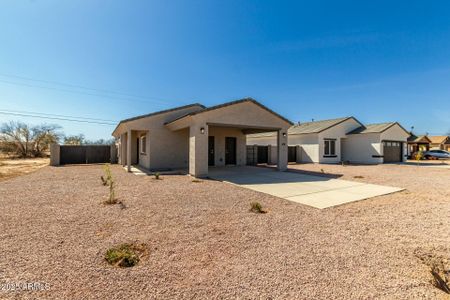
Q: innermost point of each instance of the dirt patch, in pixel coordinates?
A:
(204, 243)
(10, 168)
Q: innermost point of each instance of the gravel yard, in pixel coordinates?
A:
(204, 243)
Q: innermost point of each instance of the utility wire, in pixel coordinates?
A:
(57, 118)
(83, 87)
(55, 115)
(81, 92)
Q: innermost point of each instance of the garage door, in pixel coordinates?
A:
(392, 151)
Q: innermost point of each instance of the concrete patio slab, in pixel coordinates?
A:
(316, 191)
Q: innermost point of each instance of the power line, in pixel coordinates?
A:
(55, 115)
(82, 87)
(79, 92)
(57, 118)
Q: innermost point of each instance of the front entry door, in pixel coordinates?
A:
(230, 150)
(211, 156)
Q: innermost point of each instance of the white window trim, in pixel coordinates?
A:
(143, 144)
(329, 148)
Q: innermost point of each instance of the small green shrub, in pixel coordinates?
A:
(358, 177)
(256, 207)
(196, 180)
(157, 176)
(322, 170)
(104, 181)
(125, 255)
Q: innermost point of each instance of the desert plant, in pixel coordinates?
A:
(108, 175)
(256, 207)
(358, 177)
(322, 170)
(109, 181)
(418, 156)
(125, 255)
(196, 180)
(157, 175)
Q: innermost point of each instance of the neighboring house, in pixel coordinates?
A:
(342, 139)
(196, 137)
(418, 143)
(376, 144)
(317, 142)
(439, 142)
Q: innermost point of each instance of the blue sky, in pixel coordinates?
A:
(376, 60)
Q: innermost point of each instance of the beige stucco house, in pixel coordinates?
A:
(195, 137)
(376, 144)
(341, 139)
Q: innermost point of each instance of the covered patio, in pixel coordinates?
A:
(217, 136)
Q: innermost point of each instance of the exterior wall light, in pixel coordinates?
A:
(284, 134)
(202, 130)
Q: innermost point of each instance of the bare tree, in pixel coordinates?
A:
(28, 141)
(74, 140)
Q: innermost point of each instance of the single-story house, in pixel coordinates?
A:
(439, 142)
(196, 137)
(312, 142)
(376, 144)
(418, 143)
(342, 139)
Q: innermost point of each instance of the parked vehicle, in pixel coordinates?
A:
(436, 154)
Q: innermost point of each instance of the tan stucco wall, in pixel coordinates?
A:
(165, 148)
(359, 148)
(181, 143)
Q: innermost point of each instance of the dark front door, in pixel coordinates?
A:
(263, 154)
(292, 154)
(230, 150)
(211, 156)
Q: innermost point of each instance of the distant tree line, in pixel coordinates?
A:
(24, 140)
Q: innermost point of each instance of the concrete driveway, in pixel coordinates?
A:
(315, 191)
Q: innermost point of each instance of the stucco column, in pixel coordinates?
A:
(55, 154)
(129, 151)
(198, 150)
(282, 142)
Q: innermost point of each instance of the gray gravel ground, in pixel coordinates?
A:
(204, 243)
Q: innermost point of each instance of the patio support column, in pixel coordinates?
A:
(198, 150)
(282, 148)
(129, 151)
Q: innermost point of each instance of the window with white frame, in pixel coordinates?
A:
(330, 147)
(143, 144)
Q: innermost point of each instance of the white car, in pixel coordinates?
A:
(436, 154)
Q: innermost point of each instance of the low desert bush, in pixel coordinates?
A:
(322, 170)
(108, 175)
(358, 177)
(256, 207)
(157, 175)
(125, 255)
(108, 180)
(196, 180)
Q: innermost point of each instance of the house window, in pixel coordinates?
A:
(143, 144)
(330, 147)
